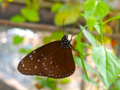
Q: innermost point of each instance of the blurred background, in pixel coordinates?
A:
(28, 24)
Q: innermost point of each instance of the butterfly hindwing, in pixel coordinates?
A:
(59, 63)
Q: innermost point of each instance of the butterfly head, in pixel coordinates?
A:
(65, 43)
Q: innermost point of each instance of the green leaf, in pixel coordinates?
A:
(117, 17)
(57, 35)
(90, 22)
(107, 64)
(17, 39)
(96, 9)
(88, 67)
(18, 19)
(25, 50)
(67, 12)
(46, 39)
(51, 83)
(90, 80)
(55, 7)
(42, 81)
(117, 84)
(64, 81)
(97, 28)
(69, 17)
(30, 14)
(90, 38)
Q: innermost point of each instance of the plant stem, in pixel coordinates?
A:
(101, 34)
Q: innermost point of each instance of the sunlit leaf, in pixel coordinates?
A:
(68, 13)
(18, 19)
(69, 17)
(107, 64)
(96, 9)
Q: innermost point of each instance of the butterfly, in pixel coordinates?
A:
(52, 60)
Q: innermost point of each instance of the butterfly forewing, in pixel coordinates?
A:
(30, 65)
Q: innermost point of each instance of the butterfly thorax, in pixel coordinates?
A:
(65, 43)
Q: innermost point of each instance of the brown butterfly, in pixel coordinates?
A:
(52, 60)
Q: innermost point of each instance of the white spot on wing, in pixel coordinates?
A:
(23, 65)
(38, 60)
(51, 62)
(30, 56)
(34, 51)
(41, 54)
(35, 67)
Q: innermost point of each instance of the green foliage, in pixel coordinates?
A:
(90, 80)
(64, 81)
(32, 4)
(80, 48)
(117, 17)
(55, 7)
(88, 67)
(67, 12)
(94, 10)
(107, 64)
(117, 85)
(17, 39)
(90, 38)
(25, 50)
(18, 18)
(97, 28)
(51, 83)
(30, 14)
(54, 36)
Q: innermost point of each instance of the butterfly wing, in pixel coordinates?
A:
(50, 60)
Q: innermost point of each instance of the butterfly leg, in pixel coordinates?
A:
(75, 50)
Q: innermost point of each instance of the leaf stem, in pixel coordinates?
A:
(101, 34)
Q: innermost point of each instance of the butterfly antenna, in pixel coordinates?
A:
(76, 34)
